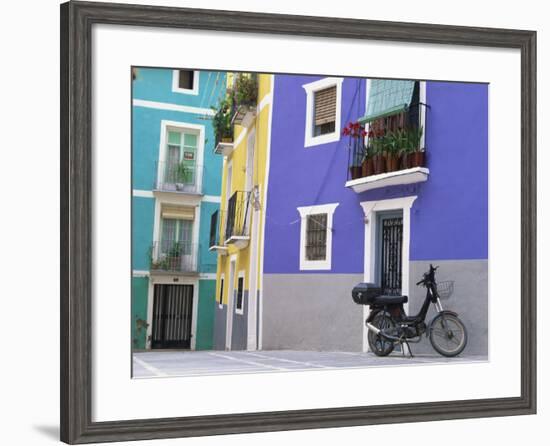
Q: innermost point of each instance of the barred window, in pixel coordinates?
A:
(316, 237)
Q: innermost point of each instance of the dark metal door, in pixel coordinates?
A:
(172, 316)
(390, 253)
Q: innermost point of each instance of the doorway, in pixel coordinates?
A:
(172, 316)
(389, 252)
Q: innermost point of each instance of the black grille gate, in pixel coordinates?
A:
(391, 255)
(172, 316)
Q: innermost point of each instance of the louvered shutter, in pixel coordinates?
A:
(325, 106)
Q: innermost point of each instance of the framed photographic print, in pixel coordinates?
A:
(275, 222)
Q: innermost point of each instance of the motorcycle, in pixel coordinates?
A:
(389, 325)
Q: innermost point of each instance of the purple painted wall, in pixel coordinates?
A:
(449, 217)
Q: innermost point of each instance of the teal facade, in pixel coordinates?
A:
(154, 102)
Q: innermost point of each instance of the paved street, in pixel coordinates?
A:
(200, 363)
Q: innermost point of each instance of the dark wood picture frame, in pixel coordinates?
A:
(77, 19)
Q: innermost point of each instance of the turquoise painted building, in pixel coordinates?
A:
(176, 186)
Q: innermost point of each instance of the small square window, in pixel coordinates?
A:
(186, 79)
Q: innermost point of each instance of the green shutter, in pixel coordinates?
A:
(387, 97)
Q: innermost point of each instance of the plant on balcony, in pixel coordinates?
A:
(415, 154)
(246, 87)
(221, 121)
(393, 150)
(184, 175)
(357, 148)
(378, 145)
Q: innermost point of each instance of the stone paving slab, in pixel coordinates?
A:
(201, 363)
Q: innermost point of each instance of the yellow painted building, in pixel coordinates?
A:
(237, 229)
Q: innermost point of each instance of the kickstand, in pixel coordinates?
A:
(402, 342)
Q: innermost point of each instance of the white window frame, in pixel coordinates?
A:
(220, 290)
(311, 140)
(165, 126)
(177, 89)
(305, 211)
(241, 274)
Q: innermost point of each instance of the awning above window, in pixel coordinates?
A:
(387, 97)
(178, 212)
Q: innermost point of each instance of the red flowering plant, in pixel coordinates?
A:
(358, 153)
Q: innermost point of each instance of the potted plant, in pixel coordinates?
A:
(356, 145)
(246, 87)
(393, 150)
(184, 175)
(221, 121)
(378, 144)
(367, 165)
(416, 154)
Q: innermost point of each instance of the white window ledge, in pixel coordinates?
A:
(405, 176)
(239, 241)
(224, 148)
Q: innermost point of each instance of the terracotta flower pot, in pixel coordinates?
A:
(404, 160)
(355, 172)
(379, 164)
(367, 167)
(416, 159)
(392, 162)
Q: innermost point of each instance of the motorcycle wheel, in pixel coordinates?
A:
(378, 344)
(448, 335)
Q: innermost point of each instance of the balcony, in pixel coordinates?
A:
(216, 233)
(246, 96)
(183, 177)
(174, 257)
(398, 177)
(224, 147)
(387, 151)
(238, 219)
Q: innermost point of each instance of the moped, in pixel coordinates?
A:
(389, 325)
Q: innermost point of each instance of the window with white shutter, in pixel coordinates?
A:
(323, 114)
(324, 111)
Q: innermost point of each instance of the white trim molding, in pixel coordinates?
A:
(175, 83)
(305, 211)
(172, 107)
(142, 193)
(310, 89)
(370, 208)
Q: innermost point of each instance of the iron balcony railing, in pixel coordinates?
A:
(180, 177)
(216, 230)
(174, 256)
(238, 210)
(371, 155)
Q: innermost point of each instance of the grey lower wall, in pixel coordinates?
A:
(219, 327)
(311, 312)
(469, 299)
(240, 323)
(239, 328)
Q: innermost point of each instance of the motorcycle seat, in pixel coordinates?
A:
(389, 300)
